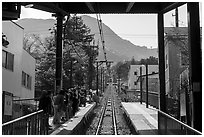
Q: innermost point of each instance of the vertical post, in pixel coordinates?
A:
(140, 85)
(97, 78)
(162, 103)
(90, 67)
(59, 55)
(195, 63)
(176, 17)
(101, 79)
(71, 71)
(146, 65)
(162, 126)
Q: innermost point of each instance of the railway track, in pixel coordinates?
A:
(107, 122)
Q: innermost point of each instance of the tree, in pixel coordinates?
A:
(150, 61)
(76, 39)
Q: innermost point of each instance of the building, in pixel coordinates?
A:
(176, 61)
(18, 69)
(134, 77)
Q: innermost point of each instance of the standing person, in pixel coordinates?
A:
(75, 103)
(66, 102)
(45, 103)
(58, 107)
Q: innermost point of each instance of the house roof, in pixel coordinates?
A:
(176, 30)
(151, 68)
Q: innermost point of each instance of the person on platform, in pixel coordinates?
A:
(59, 107)
(45, 104)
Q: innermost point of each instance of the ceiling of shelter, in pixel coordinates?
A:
(12, 9)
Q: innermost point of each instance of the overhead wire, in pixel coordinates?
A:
(99, 21)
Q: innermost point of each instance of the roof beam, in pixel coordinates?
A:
(172, 6)
(90, 6)
(129, 6)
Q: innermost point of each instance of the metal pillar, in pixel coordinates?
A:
(71, 71)
(195, 63)
(97, 78)
(59, 54)
(146, 85)
(162, 98)
(101, 79)
(140, 85)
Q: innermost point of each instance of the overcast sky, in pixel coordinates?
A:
(140, 29)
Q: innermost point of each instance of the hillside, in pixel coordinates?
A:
(117, 48)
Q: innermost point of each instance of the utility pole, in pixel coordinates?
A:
(146, 86)
(71, 71)
(140, 85)
(98, 63)
(91, 55)
(59, 54)
(176, 17)
(97, 78)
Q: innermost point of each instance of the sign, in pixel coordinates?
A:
(8, 104)
(183, 104)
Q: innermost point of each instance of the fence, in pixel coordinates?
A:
(31, 124)
(171, 126)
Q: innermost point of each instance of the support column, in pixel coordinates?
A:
(71, 71)
(140, 85)
(195, 63)
(146, 85)
(59, 54)
(101, 79)
(162, 123)
(162, 104)
(97, 78)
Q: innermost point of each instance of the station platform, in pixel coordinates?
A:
(75, 124)
(143, 120)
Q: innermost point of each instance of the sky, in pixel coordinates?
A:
(140, 29)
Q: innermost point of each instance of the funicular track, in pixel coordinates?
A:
(107, 122)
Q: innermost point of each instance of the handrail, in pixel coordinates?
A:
(183, 124)
(23, 117)
(36, 99)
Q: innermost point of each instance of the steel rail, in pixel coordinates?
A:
(101, 118)
(114, 117)
(114, 123)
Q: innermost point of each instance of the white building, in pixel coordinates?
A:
(18, 66)
(134, 74)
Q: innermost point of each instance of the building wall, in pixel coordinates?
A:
(11, 80)
(174, 68)
(28, 66)
(133, 78)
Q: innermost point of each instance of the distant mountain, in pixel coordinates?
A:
(116, 44)
(117, 49)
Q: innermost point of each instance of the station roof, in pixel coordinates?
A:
(97, 7)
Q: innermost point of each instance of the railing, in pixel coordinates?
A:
(153, 98)
(31, 124)
(171, 126)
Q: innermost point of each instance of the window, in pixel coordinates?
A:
(166, 61)
(184, 58)
(135, 83)
(4, 59)
(135, 73)
(23, 78)
(7, 60)
(26, 80)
